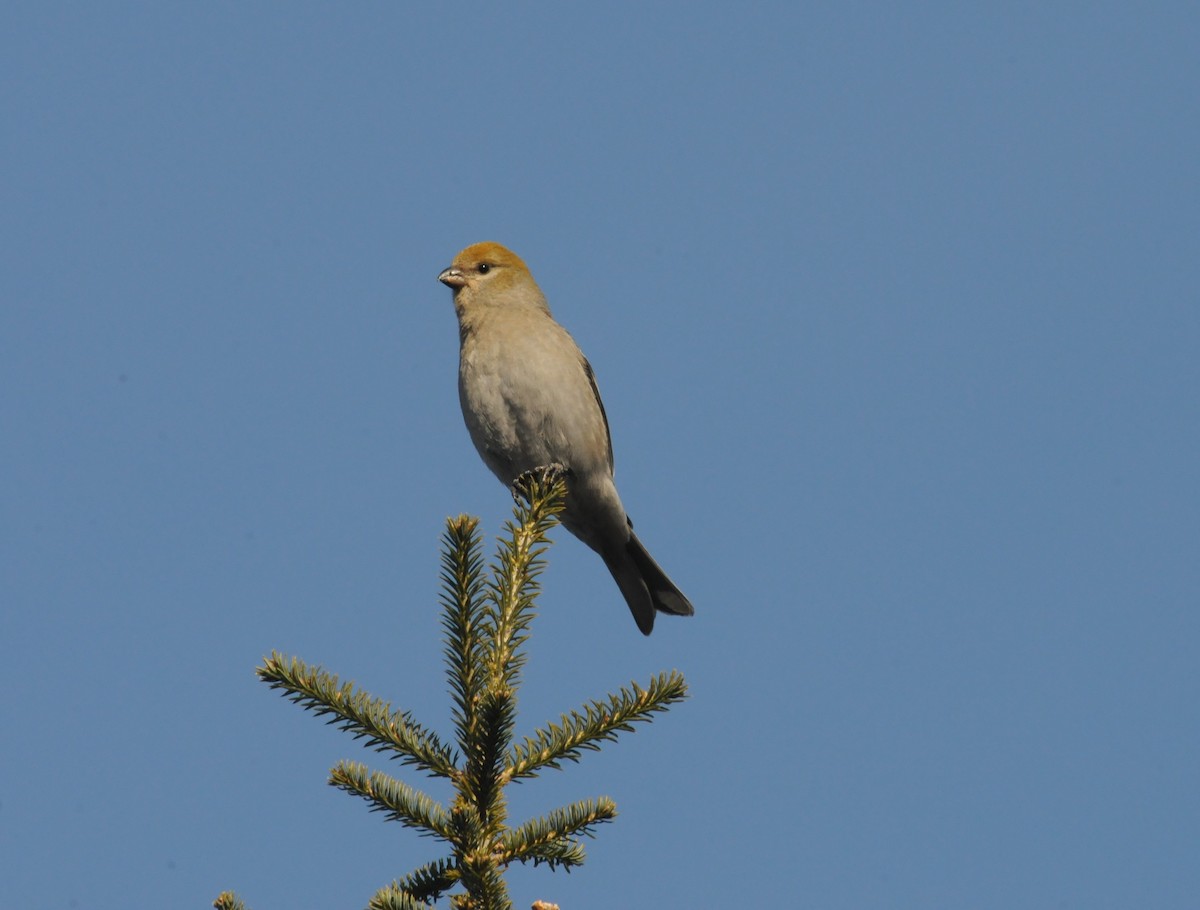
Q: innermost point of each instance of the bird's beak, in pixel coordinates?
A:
(452, 278)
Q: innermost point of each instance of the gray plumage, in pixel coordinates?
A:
(529, 399)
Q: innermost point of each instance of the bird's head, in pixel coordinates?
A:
(493, 275)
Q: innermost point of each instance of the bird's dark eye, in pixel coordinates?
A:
(484, 268)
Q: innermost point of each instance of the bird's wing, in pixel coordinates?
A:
(587, 368)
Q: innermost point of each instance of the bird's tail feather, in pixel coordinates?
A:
(666, 597)
(645, 586)
(628, 576)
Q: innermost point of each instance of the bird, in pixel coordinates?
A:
(530, 402)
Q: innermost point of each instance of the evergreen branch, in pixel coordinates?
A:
(358, 713)
(486, 620)
(430, 881)
(483, 781)
(227, 900)
(599, 721)
(462, 583)
(559, 854)
(514, 586)
(477, 867)
(393, 898)
(467, 828)
(530, 841)
(484, 884)
(396, 799)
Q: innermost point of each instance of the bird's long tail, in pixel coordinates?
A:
(667, 598)
(645, 585)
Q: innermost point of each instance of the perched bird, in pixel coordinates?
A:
(530, 401)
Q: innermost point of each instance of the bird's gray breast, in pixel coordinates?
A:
(527, 400)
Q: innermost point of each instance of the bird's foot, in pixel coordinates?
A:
(546, 473)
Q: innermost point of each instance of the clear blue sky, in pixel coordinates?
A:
(896, 317)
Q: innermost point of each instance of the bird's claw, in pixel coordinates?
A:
(547, 473)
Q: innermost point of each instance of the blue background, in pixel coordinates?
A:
(895, 314)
